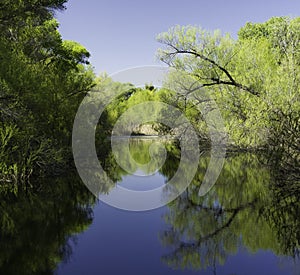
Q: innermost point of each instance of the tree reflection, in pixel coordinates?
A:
(251, 205)
(242, 210)
(36, 227)
(283, 213)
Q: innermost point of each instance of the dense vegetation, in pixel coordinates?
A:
(42, 81)
(253, 79)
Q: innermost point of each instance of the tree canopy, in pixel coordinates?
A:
(42, 81)
(254, 79)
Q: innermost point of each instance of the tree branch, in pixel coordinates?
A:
(215, 81)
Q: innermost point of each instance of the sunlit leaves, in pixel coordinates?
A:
(252, 78)
(42, 81)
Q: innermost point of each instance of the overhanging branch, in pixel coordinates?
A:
(214, 81)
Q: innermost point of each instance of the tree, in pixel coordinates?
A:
(42, 82)
(254, 79)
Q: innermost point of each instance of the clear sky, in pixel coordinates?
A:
(121, 33)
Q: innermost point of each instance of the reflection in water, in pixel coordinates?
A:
(245, 209)
(251, 207)
(36, 227)
(140, 164)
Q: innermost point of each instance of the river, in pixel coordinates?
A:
(248, 223)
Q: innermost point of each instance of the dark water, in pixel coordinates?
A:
(247, 224)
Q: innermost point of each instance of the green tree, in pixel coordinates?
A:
(42, 82)
(254, 79)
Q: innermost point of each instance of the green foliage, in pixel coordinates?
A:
(255, 82)
(254, 79)
(123, 97)
(42, 82)
(14, 13)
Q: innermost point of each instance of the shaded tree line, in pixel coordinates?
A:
(43, 78)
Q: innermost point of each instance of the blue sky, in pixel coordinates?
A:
(121, 34)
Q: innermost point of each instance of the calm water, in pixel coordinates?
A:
(247, 224)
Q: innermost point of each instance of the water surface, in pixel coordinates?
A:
(247, 224)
